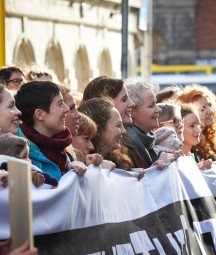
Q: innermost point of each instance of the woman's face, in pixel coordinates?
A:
(9, 114)
(110, 137)
(24, 154)
(16, 81)
(83, 145)
(124, 104)
(145, 116)
(176, 123)
(72, 117)
(192, 130)
(54, 120)
(205, 111)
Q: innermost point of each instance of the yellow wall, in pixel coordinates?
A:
(2, 33)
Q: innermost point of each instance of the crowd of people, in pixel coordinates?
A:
(111, 124)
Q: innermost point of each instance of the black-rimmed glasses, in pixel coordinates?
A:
(176, 121)
(16, 81)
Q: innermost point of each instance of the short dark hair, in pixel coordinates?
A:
(103, 86)
(34, 95)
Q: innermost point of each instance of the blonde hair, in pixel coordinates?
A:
(135, 87)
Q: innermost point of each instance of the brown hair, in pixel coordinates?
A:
(103, 86)
(98, 109)
(2, 87)
(12, 145)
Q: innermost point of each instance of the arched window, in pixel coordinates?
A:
(54, 59)
(23, 52)
(82, 71)
(105, 64)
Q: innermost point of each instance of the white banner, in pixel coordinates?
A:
(167, 212)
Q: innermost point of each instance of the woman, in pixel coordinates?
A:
(104, 86)
(72, 118)
(9, 114)
(205, 101)
(43, 124)
(109, 124)
(13, 77)
(192, 128)
(115, 89)
(83, 145)
(139, 139)
(82, 140)
(170, 116)
(192, 134)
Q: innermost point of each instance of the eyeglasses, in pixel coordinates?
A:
(176, 121)
(16, 82)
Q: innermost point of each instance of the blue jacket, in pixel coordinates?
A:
(40, 160)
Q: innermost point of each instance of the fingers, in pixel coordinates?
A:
(5, 246)
(4, 181)
(95, 159)
(140, 171)
(24, 250)
(79, 167)
(37, 179)
(141, 174)
(107, 164)
(160, 164)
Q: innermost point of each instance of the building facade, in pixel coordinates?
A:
(79, 40)
(184, 32)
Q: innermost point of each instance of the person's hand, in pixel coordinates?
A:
(177, 153)
(37, 179)
(24, 250)
(204, 164)
(95, 159)
(214, 156)
(140, 171)
(160, 164)
(107, 164)
(208, 163)
(5, 247)
(78, 167)
(4, 178)
(167, 158)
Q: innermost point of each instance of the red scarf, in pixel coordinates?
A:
(52, 147)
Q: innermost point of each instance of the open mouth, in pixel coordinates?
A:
(16, 122)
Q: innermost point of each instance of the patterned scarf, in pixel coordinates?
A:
(52, 147)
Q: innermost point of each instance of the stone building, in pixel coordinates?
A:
(77, 39)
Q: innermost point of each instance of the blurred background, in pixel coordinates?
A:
(162, 41)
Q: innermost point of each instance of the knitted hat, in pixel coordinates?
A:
(12, 145)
